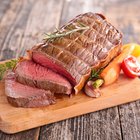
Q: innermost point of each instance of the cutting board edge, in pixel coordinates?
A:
(10, 128)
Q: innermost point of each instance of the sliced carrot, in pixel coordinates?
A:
(111, 73)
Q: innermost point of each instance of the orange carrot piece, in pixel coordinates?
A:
(111, 73)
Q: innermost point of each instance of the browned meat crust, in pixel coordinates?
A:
(74, 55)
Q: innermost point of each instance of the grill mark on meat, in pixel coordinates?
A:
(107, 32)
(103, 51)
(100, 42)
(73, 72)
(90, 31)
(93, 46)
(52, 55)
(96, 27)
(101, 31)
(63, 56)
(61, 64)
(68, 46)
(96, 30)
(99, 34)
(73, 48)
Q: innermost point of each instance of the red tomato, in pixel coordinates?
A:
(131, 66)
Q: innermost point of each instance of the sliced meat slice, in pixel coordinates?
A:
(25, 96)
(32, 74)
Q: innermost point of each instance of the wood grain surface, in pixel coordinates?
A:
(22, 24)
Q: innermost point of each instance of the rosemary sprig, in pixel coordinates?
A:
(6, 66)
(59, 34)
(95, 74)
(52, 36)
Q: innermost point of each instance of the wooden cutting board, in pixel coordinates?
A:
(14, 119)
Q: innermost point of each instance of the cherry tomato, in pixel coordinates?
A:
(131, 66)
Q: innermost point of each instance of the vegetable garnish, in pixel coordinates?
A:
(97, 83)
(131, 66)
(91, 91)
(92, 87)
(111, 73)
(95, 74)
(58, 34)
(6, 66)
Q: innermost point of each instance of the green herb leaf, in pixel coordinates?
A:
(6, 66)
(58, 33)
(95, 74)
